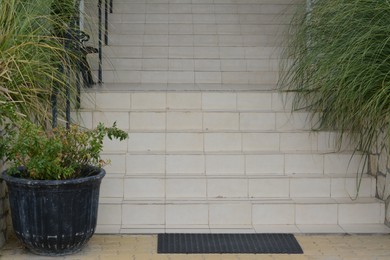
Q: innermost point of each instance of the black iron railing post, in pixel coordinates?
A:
(105, 22)
(68, 43)
(100, 72)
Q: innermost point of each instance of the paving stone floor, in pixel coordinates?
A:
(139, 247)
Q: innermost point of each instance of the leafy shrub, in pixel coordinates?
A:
(56, 154)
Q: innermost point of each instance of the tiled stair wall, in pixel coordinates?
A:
(200, 160)
(212, 145)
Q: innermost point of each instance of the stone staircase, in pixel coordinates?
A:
(213, 146)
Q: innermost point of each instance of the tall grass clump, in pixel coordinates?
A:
(337, 65)
(32, 56)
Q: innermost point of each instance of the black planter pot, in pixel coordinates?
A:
(54, 217)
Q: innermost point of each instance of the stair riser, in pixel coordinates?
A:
(214, 187)
(243, 215)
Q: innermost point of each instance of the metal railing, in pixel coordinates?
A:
(75, 39)
(108, 8)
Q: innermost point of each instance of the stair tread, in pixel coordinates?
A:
(179, 87)
(252, 201)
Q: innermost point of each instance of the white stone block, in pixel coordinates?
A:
(293, 122)
(148, 101)
(114, 145)
(264, 164)
(138, 188)
(122, 76)
(232, 52)
(187, 101)
(108, 229)
(344, 164)
(304, 163)
(154, 28)
(281, 102)
(185, 164)
(182, 65)
(180, 8)
(117, 163)
(202, 18)
(227, 188)
(87, 100)
(82, 118)
(257, 121)
(147, 121)
(263, 77)
(203, 7)
(233, 65)
(226, 8)
(310, 187)
(157, 8)
(153, 64)
(145, 164)
(186, 188)
(154, 76)
(260, 142)
(220, 121)
(269, 188)
(152, 214)
(181, 52)
(109, 214)
(298, 142)
(181, 40)
(230, 40)
(258, 65)
(111, 188)
(225, 164)
(205, 52)
(230, 214)
(222, 142)
(152, 18)
(125, 51)
(184, 121)
(108, 119)
(254, 101)
(316, 214)
(347, 187)
(361, 213)
(203, 40)
(146, 142)
(154, 53)
(207, 65)
(208, 77)
(232, 77)
(112, 101)
(180, 142)
(273, 214)
(219, 101)
(329, 142)
(181, 77)
(187, 214)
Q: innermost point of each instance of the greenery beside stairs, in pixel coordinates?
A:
(337, 64)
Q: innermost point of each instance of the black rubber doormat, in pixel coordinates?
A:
(228, 244)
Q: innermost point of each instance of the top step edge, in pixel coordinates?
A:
(179, 87)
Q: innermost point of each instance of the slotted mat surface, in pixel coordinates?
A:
(228, 244)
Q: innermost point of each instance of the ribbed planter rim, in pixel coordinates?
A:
(100, 172)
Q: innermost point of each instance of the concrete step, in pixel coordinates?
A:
(154, 216)
(185, 64)
(251, 7)
(190, 187)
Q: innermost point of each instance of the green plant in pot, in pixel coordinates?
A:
(53, 175)
(53, 179)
